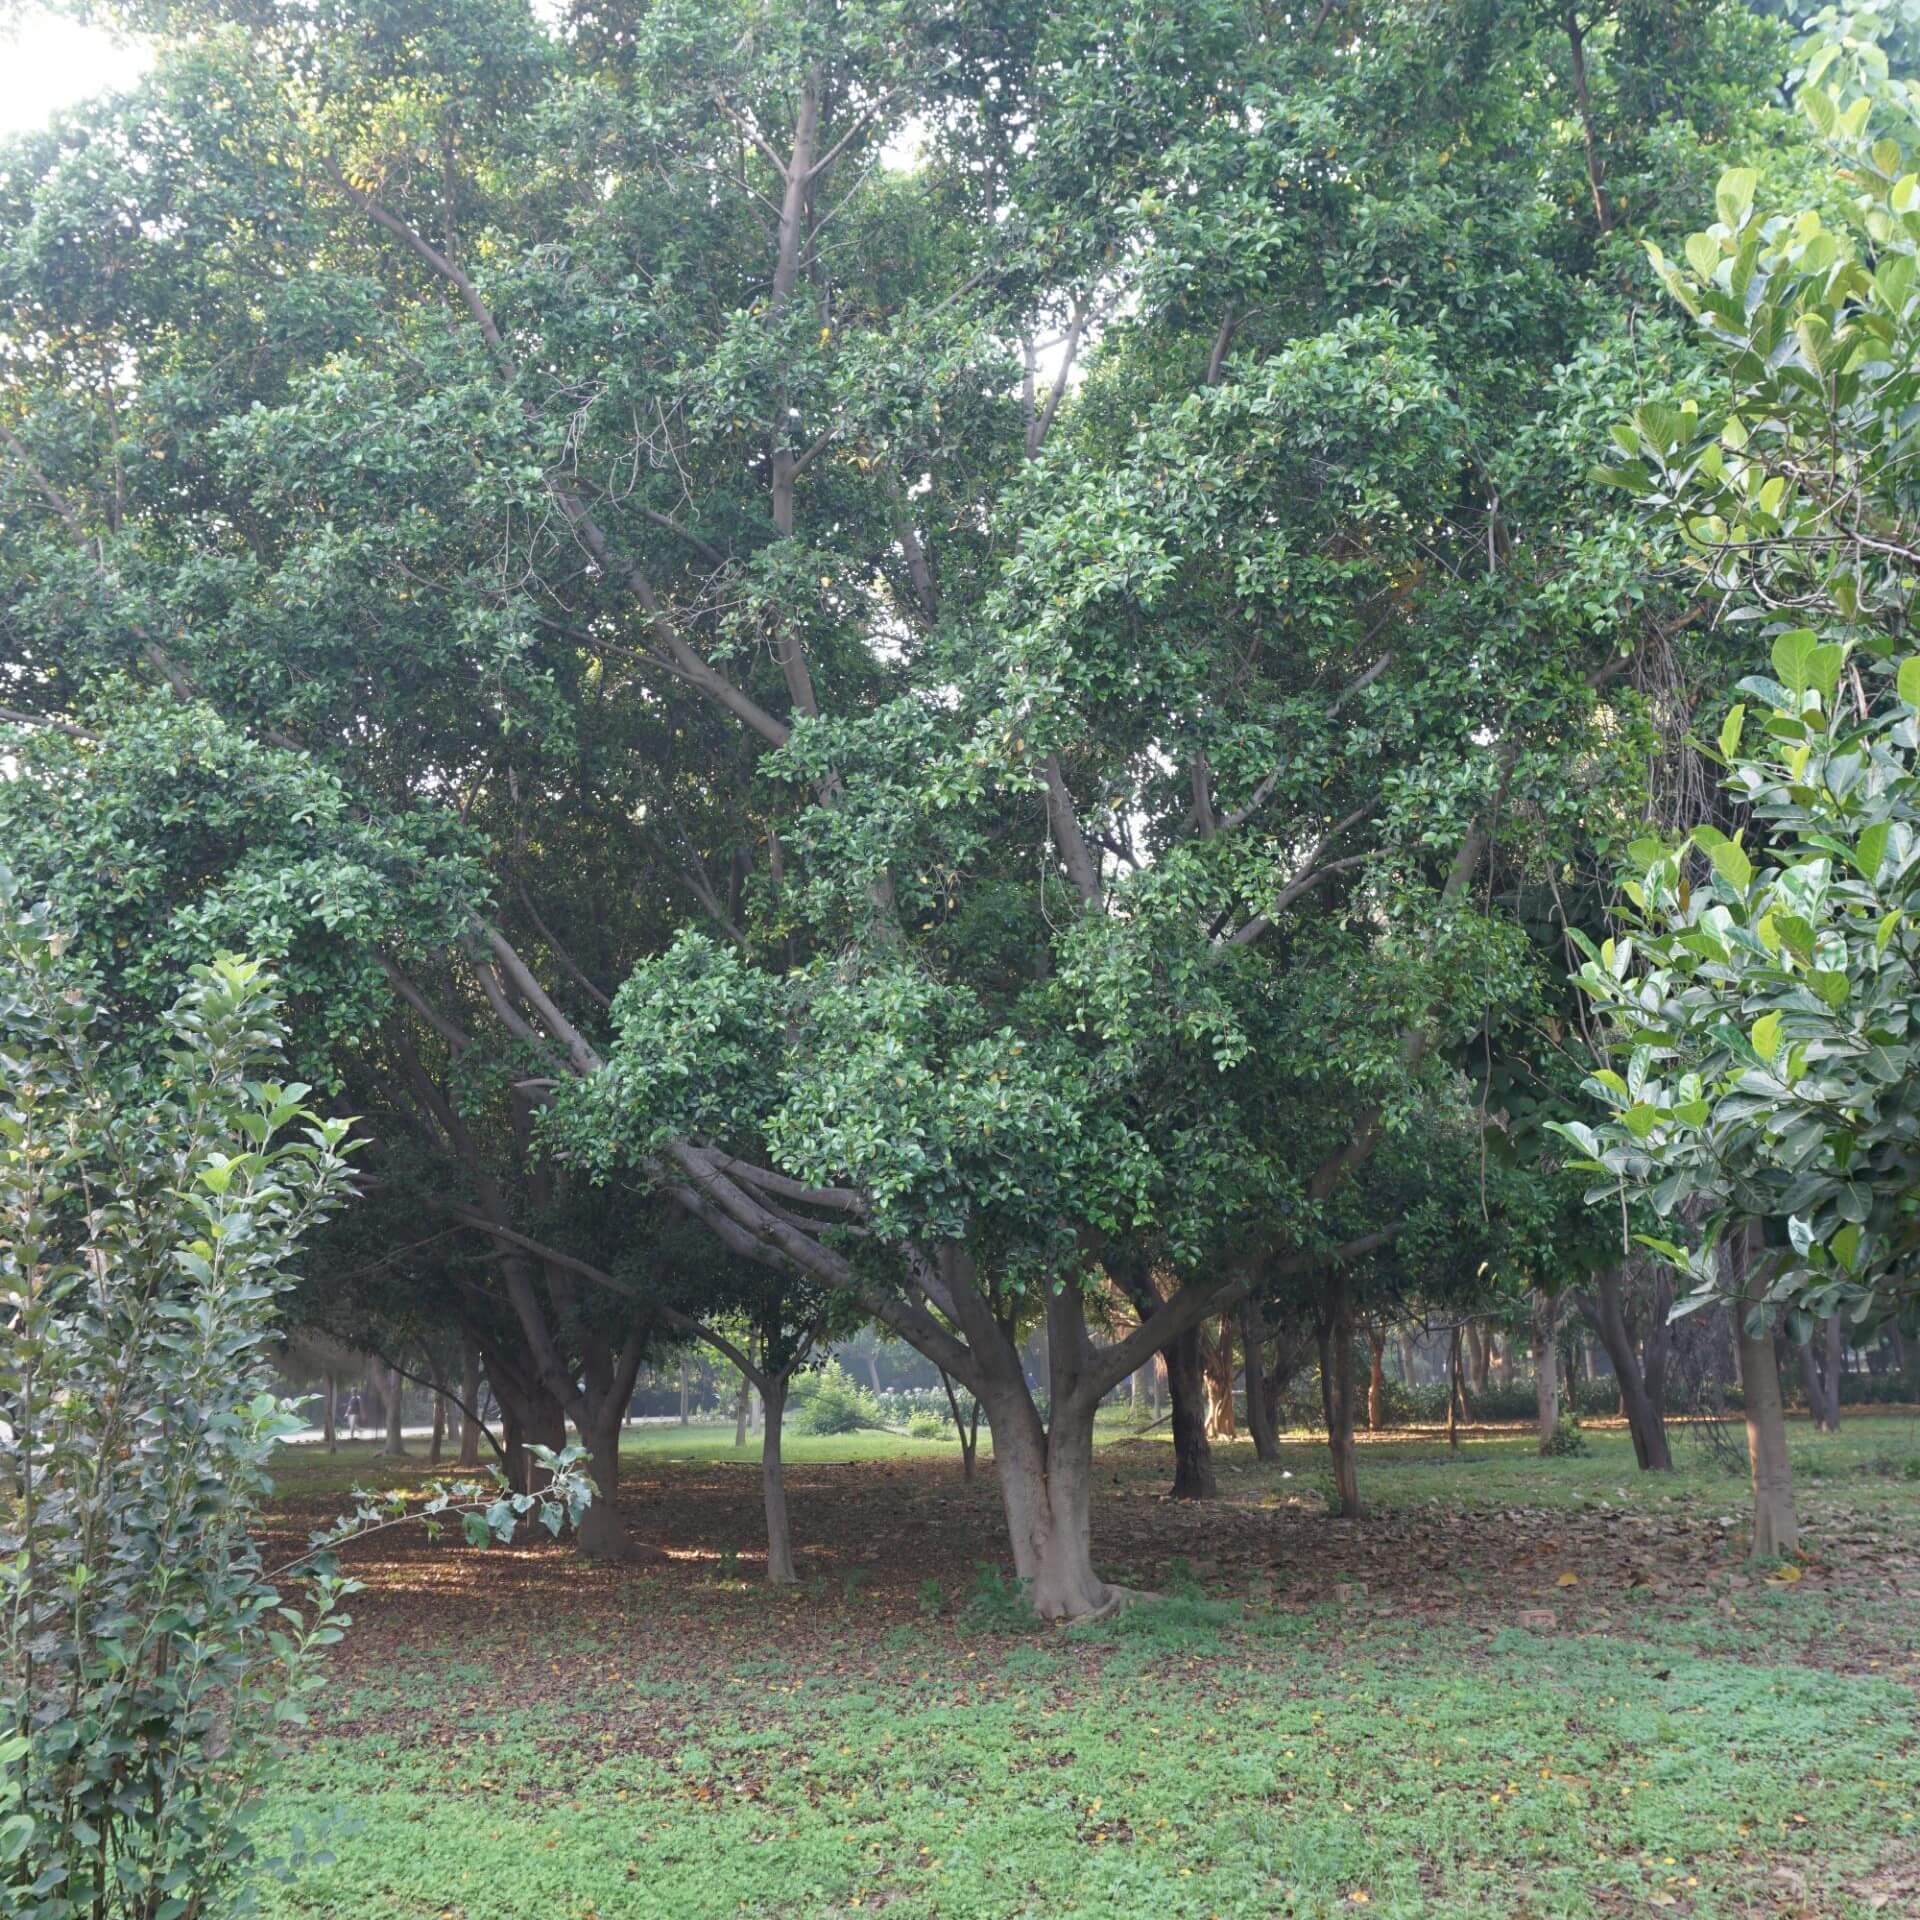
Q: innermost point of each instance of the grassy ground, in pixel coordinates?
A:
(1520, 1688)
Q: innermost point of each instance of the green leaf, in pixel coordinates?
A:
(1730, 730)
(1733, 197)
(1908, 681)
(1870, 849)
(1766, 1036)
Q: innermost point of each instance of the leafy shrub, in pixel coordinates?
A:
(929, 1426)
(147, 1221)
(1566, 1440)
(996, 1604)
(148, 1224)
(830, 1402)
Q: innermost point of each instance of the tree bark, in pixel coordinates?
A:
(1334, 1329)
(330, 1413)
(1546, 1365)
(1820, 1373)
(773, 1486)
(740, 1414)
(1218, 1381)
(1046, 1483)
(1504, 1360)
(685, 1394)
(1192, 1457)
(1409, 1359)
(437, 1445)
(470, 1397)
(1776, 1525)
(1376, 1380)
(1263, 1417)
(1455, 1391)
(396, 1447)
(1642, 1375)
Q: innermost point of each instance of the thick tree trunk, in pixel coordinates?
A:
(1377, 1381)
(1263, 1417)
(1046, 1482)
(1776, 1525)
(1192, 1457)
(396, 1447)
(773, 1487)
(470, 1396)
(1218, 1380)
(1334, 1329)
(602, 1534)
(1546, 1366)
(1641, 1376)
(330, 1413)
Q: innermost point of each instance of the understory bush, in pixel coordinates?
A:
(149, 1213)
(830, 1401)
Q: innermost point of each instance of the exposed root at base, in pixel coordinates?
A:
(1118, 1600)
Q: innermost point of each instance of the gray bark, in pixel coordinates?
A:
(1776, 1526)
(396, 1447)
(773, 1485)
(1546, 1365)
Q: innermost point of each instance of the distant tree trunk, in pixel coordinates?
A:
(1776, 1526)
(740, 1413)
(396, 1447)
(872, 1357)
(1546, 1365)
(1263, 1418)
(330, 1413)
(685, 1393)
(1505, 1361)
(1642, 1375)
(968, 1428)
(1820, 1374)
(1456, 1393)
(1477, 1354)
(1140, 1394)
(438, 1443)
(470, 1399)
(1192, 1457)
(773, 1485)
(1376, 1380)
(1898, 1341)
(1218, 1382)
(1334, 1330)
(1409, 1359)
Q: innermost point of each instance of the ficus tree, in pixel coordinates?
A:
(957, 600)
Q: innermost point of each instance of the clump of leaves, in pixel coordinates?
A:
(995, 1604)
(148, 1218)
(929, 1426)
(932, 1596)
(1566, 1440)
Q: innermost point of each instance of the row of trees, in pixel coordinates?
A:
(917, 662)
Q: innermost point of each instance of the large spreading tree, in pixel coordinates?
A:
(941, 638)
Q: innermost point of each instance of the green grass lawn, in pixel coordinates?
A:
(1521, 1688)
